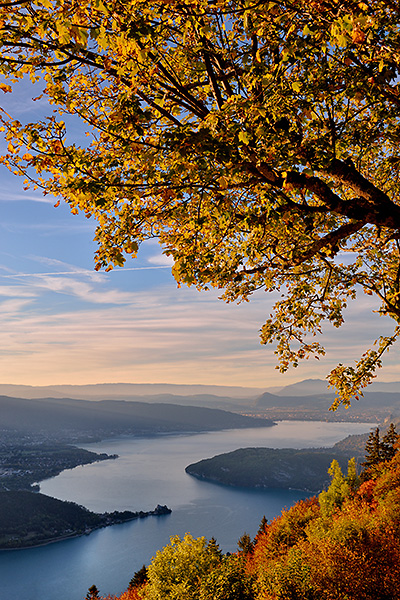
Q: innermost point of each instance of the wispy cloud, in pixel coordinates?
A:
(167, 336)
(13, 196)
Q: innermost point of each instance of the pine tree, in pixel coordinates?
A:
(93, 593)
(139, 578)
(372, 450)
(377, 450)
(263, 525)
(245, 544)
(213, 548)
(388, 442)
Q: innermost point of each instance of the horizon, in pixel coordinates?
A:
(192, 384)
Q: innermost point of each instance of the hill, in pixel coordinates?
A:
(278, 468)
(310, 387)
(28, 519)
(66, 418)
(374, 406)
(23, 463)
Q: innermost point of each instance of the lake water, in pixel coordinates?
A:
(150, 471)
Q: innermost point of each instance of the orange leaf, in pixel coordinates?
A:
(6, 88)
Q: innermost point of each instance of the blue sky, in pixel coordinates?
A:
(62, 322)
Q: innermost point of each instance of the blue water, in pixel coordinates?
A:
(150, 471)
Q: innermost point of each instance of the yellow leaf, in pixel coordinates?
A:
(223, 183)
(27, 156)
(6, 88)
(243, 137)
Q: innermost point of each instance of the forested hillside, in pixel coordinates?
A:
(77, 420)
(342, 545)
(29, 519)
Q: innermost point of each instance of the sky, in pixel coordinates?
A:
(63, 323)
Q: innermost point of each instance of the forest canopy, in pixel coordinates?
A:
(257, 141)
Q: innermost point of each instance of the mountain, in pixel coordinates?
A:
(369, 400)
(373, 406)
(122, 391)
(319, 386)
(73, 418)
(306, 387)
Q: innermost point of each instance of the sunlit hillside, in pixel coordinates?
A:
(342, 545)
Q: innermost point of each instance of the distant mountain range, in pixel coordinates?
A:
(309, 387)
(311, 395)
(121, 391)
(126, 391)
(369, 400)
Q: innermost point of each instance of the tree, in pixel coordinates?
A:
(213, 549)
(258, 141)
(263, 525)
(377, 450)
(373, 449)
(176, 571)
(93, 593)
(340, 487)
(229, 581)
(388, 444)
(245, 544)
(139, 578)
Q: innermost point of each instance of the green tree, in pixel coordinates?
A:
(352, 478)
(378, 450)
(258, 141)
(176, 571)
(373, 454)
(389, 440)
(338, 490)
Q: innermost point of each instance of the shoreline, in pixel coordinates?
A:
(159, 511)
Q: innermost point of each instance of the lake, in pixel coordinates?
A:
(150, 471)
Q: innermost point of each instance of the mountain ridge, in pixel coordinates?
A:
(75, 418)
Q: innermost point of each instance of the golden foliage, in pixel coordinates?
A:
(258, 142)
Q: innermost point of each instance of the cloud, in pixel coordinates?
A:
(167, 336)
(16, 291)
(15, 196)
(73, 325)
(161, 259)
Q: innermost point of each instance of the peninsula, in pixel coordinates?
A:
(290, 468)
(30, 519)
